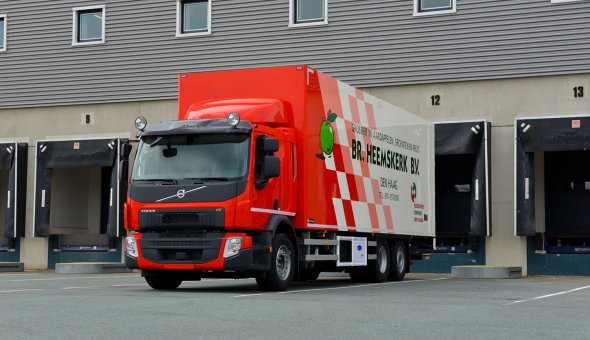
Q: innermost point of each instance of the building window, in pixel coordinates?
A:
(427, 7)
(88, 25)
(2, 32)
(308, 12)
(193, 17)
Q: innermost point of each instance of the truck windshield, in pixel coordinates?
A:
(196, 157)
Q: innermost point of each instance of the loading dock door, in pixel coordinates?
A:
(453, 195)
(543, 135)
(462, 171)
(81, 177)
(567, 194)
(13, 188)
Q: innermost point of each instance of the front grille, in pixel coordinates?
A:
(161, 248)
(182, 218)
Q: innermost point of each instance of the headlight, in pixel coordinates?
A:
(232, 246)
(131, 247)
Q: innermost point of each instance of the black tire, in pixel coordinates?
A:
(162, 282)
(399, 262)
(380, 268)
(309, 274)
(282, 266)
(376, 270)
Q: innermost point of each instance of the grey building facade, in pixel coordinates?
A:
(489, 61)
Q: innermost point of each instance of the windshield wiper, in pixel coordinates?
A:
(203, 179)
(156, 142)
(155, 180)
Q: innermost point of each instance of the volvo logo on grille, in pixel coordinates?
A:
(181, 193)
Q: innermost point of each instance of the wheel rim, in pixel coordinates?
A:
(283, 262)
(401, 260)
(382, 259)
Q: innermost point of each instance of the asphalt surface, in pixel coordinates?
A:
(45, 305)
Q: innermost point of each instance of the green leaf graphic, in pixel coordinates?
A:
(332, 117)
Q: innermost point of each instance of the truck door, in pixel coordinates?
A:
(268, 197)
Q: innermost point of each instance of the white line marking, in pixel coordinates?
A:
(549, 295)
(69, 278)
(84, 287)
(136, 285)
(18, 290)
(335, 288)
(107, 286)
(129, 285)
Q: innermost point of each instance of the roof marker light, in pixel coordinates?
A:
(140, 123)
(233, 119)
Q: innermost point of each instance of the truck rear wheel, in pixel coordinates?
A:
(400, 261)
(282, 267)
(382, 265)
(162, 282)
(376, 270)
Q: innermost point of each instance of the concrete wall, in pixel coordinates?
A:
(32, 124)
(498, 101)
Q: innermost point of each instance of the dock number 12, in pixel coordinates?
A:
(435, 100)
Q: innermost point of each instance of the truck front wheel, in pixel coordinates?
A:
(162, 282)
(282, 268)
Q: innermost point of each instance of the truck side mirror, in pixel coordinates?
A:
(272, 166)
(271, 145)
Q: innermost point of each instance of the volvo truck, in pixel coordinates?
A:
(278, 174)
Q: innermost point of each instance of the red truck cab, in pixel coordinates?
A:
(202, 190)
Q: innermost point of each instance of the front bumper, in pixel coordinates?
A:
(203, 253)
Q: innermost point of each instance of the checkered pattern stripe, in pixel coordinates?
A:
(358, 205)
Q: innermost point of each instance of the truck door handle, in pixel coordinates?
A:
(276, 205)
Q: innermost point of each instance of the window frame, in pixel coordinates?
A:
(293, 23)
(4, 17)
(76, 25)
(563, 1)
(180, 19)
(417, 11)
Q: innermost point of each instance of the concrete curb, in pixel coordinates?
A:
(12, 267)
(486, 272)
(91, 268)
